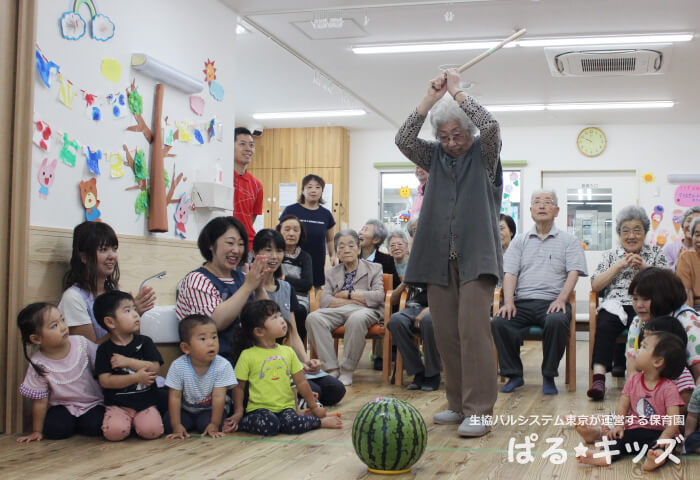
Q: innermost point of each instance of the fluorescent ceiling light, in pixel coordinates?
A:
(425, 47)
(533, 42)
(606, 40)
(240, 29)
(312, 114)
(581, 106)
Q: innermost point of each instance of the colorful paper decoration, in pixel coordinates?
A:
(182, 215)
(648, 178)
(211, 131)
(677, 217)
(93, 159)
(687, 195)
(44, 68)
(209, 71)
(66, 92)
(661, 238)
(42, 135)
(405, 192)
(135, 101)
(69, 151)
(117, 102)
(46, 176)
(73, 25)
(656, 219)
(116, 165)
(197, 104)
(111, 69)
(216, 90)
(198, 138)
(88, 196)
(405, 216)
(184, 132)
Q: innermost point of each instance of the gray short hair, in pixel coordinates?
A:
(447, 110)
(346, 232)
(632, 212)
(694, 224)
(380, 230)
(397, 234)
(411, 223)
(549, 192)
(689, 212)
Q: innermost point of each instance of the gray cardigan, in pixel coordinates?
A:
(368, 280)
(462, 200)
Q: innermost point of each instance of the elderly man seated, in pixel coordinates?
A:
(541, 268)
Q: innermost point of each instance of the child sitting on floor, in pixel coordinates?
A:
(126, 366)
(198, 381)
(646, 394)
(60, 379)
(692, 434)
(268, 368)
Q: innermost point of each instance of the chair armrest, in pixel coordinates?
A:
(497, 294)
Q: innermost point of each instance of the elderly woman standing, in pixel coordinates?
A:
(352, 296)
(459, 256)
(688, 267)
(613, 276)
(397, 244)
(674, 250)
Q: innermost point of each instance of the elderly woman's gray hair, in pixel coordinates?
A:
(412, 225)
(545, 191)
(447, 110)
(397, 234)
(380, 230)
(694, 224)
(632, 212)
(689, 212)
(346, 232)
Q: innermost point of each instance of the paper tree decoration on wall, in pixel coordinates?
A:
(73, 26)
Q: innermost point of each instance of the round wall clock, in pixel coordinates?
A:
(591, 141)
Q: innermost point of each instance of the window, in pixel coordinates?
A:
(510, 203)
(589, 216)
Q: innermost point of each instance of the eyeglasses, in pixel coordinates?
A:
(446, 139)
(397, 245)
(636, 232)
(546, 203)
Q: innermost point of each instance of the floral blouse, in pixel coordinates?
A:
(618, 287)
(690, 320)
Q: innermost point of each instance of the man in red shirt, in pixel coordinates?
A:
(248, 191)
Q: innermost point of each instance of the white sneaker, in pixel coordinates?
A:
(473, 427)
(447, 417)
(345, 377)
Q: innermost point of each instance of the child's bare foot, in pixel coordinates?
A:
(589, 459)
(589, 433)
(331, 421)
(650, 463)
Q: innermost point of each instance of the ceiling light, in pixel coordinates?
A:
(310, 114)
(531, 42)
(610, 105)
(514, 108)
(605, 40)
(240, 29)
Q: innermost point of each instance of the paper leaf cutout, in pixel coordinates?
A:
(88, 195)
(102, 28)
(72, 26)
(66, 94)
(93, 159)
(46, 176)
(140, 168)
(216, 90)
(69, 151)
(169, 134)
(135, 102)
(209, 71)
(111, 69)
(44, 68)
(166, 178)
(141, 204)
(42, 135)
(197, 104)
(116, 165)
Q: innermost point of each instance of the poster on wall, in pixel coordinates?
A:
(287, 195)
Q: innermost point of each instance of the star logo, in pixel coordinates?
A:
(580, 450)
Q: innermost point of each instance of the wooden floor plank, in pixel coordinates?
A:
(324, 454)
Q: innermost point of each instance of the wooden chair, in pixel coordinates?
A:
(398, 376)
(375, 332)
(593, 298)
(535, 333)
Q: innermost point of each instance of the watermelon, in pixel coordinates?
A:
(389, 435)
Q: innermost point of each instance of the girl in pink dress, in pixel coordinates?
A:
(66, 398)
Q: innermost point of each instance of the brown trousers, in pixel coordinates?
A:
(461, 321)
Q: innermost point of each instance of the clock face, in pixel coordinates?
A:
(591, 141)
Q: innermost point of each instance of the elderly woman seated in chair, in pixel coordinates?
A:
(613, 276)
(352, 296)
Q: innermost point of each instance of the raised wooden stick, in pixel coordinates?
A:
(488, 52)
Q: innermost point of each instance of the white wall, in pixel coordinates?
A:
(181, 33)
(661, 149)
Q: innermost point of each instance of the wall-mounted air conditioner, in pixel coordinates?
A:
(608, 60)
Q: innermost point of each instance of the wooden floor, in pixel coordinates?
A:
(324, 454)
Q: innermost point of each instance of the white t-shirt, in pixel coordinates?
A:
(73, 308)
(196, 390)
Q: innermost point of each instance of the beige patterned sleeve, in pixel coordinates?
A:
(417, 150)
(490, 133)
